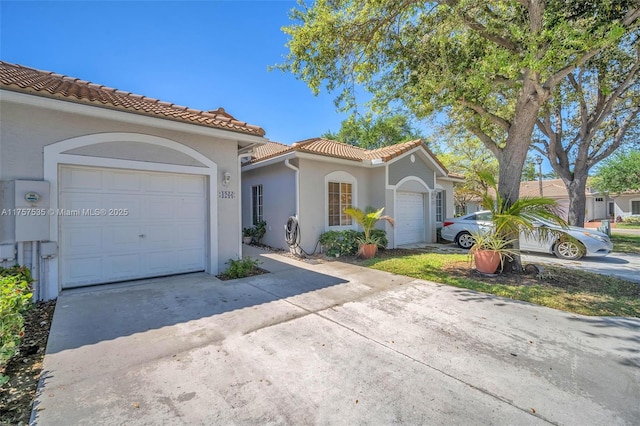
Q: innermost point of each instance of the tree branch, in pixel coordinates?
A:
(498, 121)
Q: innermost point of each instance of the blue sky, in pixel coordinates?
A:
(200, 54)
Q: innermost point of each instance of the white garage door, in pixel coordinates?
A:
(119, 225)
(409, 217)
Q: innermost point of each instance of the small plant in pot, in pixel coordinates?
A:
(367, 219)
(247, 235)
(490, 251)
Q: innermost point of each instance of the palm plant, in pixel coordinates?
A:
(515, 219)
(368, 219)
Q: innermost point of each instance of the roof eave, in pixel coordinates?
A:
(91, 109)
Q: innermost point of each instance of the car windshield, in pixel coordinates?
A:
(544, 221)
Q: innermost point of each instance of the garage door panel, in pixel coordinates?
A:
(81, 179)
(123, 266)
(83, 269)
(161, 184)
(188, 208)
(189, 235)
(162, 262)
(191, 185)
(158, 208)
(409, 217)
(123, 182)
(80, 241)
(190, 258)
(152, 239)
(122, 238)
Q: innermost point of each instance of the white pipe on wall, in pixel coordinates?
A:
(240, 158)
(297, 170)
(21, 253)
(35, 263)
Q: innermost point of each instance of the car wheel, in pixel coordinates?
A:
(464, 240)
(568, 250)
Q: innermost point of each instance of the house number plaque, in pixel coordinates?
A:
(226, 194)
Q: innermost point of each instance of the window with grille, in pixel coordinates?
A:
(439, 206)
(340, 198)
(635, 207)
(256, 204)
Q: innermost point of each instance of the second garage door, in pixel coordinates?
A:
(409, 217)
(119, 225)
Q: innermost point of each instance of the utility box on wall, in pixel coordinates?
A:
(32, 203)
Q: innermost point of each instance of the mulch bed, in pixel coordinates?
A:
(24, 368)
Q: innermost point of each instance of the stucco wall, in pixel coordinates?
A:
(278, 186)
(313, 196)
(403, 167)
(623, 204)
(26, 130)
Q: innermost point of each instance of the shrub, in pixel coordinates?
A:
(631, 220)
(241, 268)
(15, 300)
(345, 243)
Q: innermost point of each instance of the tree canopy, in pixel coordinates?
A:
(490, 65)
(593, 112)
(619, 174)
(375, 132)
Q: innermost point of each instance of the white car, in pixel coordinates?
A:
(585, 242)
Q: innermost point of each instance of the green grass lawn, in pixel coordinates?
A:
(623, 243)
(628, 225)
(560, 288)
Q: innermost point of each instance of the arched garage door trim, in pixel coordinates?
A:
(414, 184)
(54, 156)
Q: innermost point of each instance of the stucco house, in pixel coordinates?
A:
(598, 206)
(316, 179)
(99, 185)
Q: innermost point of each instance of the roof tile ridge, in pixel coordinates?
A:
(304, 142)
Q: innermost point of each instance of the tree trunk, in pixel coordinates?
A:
(512, 157)
(577, 199)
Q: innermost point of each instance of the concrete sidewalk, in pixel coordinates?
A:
(329, 343)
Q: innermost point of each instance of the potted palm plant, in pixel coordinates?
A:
(510, 222)
(367, 219)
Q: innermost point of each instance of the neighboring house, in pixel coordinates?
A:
(99, 185)
(598, 206)
(317, 179)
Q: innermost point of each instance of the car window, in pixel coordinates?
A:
(483, 216)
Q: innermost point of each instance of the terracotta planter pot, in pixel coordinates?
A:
(486, 261)
(367, 251)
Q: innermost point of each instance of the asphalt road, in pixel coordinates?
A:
(621, 265)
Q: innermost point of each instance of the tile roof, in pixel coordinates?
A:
(48, 84)
(552, 188)
(331, 148)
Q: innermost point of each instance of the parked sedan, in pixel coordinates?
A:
(585, 242)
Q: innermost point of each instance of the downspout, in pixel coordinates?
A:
(240, 158)
(297, 170)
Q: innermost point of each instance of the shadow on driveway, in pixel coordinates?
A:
(91, 315)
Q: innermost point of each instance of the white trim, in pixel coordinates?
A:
(54, 156)
(408, 179)
(286, 156)
(427, 199)
(339, 176)
(436, 166)
(127, 117)
(297, 178)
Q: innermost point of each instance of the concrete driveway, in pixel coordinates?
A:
(621, 265)
(330, 343)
